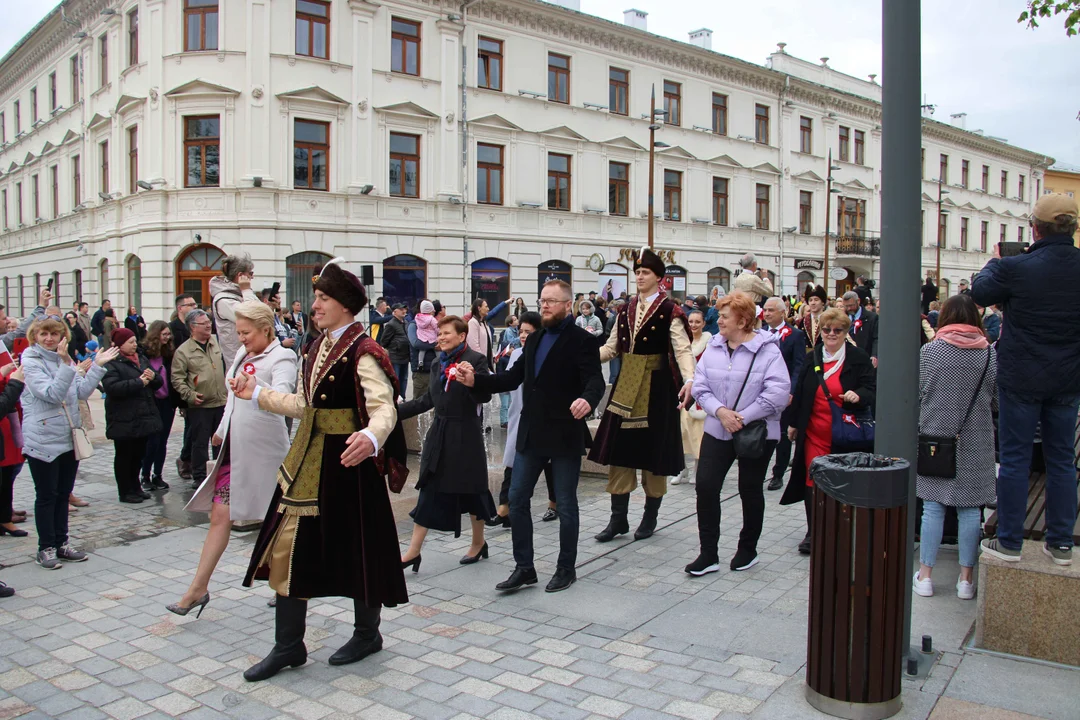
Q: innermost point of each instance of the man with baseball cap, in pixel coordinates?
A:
(1038, 375)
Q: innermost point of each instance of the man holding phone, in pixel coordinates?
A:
(1038, 375)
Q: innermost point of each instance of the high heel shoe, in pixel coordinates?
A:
(178, 609)
(13, 533)
(470, 559)
(503, 520)
(415, 563)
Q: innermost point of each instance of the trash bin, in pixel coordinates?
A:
(857, 583)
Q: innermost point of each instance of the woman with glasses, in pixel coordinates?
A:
(849, 376)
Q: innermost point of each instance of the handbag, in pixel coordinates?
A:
(80, 442)
(851, 431)
(937, 453)
(750, 441)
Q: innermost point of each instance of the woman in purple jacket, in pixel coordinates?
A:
(739, 353)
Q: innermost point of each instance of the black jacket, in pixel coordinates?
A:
(130, 411)
(395, 339)
(793, 349)
(929, 295)
(97, 322)
(571, 371)
(77, 344)
(180, 332)
(866, 336)
(864, 294)
(857, 374)
(9, 398)
(136, 325)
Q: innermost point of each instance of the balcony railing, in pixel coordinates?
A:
(862, 245)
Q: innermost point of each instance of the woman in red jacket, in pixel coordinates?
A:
(11, 458)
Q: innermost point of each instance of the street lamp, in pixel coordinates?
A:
(941, 192)
(653, 127)
(828, 213)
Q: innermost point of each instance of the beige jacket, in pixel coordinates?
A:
(195, 370)
(754, 286)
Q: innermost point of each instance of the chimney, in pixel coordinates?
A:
(635, 18)
(702, 38)
(959, 120)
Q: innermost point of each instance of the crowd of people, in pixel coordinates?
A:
(745, 378)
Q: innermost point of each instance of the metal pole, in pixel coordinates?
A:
(937, 265)
(652, 161)
(828, 214)
(898, 372)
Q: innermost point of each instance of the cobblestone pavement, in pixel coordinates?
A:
(635, 638)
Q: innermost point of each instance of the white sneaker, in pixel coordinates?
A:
(925, 588)
(677, 479)
(965, 590)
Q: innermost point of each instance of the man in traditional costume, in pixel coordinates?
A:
(640, 429)
(330, 530)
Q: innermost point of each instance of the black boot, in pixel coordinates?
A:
(366, 638)
(289, 625)
(648, 519)
(618, 524)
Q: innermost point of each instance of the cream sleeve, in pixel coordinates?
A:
(610, 349)
(684, 356)
(379, 399)
(280, 403)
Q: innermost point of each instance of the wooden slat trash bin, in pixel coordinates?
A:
(857, 585)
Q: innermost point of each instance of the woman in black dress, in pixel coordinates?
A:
(453, 467)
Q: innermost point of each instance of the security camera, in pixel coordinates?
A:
(198, 237)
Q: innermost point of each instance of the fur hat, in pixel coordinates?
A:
(649, 260)
(341, 285)
(818, 292)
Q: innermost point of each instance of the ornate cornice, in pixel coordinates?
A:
(981, 143)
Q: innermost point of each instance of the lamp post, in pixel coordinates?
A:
(941, 192)
(653, 127)
(828, 214)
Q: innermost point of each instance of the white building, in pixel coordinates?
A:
(142, 139)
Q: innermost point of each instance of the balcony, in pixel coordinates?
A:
(859, 245)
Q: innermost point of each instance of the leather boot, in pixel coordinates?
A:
(366, 638)
(618, 524)
(290, 615)
(648, 519)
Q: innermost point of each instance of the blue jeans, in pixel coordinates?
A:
(504, 408)
(933, 523)
(1016, 435)
(527, 469)
(614, 368)
(402, 372)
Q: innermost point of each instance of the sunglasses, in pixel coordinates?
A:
(833, 331)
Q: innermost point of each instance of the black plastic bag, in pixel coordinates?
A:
(863, 480)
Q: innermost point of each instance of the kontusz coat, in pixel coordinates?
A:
(52, 386)
(130, 411)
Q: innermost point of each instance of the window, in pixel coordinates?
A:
(52, 91)
(104, 148)
(558, 78)
(133, 160)
(1004, 229)
(313, 28)
(986, 178)
(806, 208)
(404, 279)
(404, 165)
(76, 181)
(311, 154)
(19, 216)
(719, 276)
(672, 195)
(54, 183)
(943, 231)
(3, 129)
(673, 102)
(558, 182)
(200, 25)
(75, 79)
(35, 196)
(1004, 183)
(194, 270)
(720, 200)
(860, 147)
(202, 151)
(850, 216)
(618, 91)
(1021, 188)
(763, 206)
(922, 163)
(33, 105)
(964, 173)
(134, 281)
(984, 235)
(405, 46)
(943, 169)
(133, 37)
(619, 188)
(3, 201)
(489, 174)
(806, 135)
(845, 144)
(103, 59)
(299, 269)
(1020, 234)
(761, 124)
(76, 284)
(17, 109)
(719, 114)
(491, 63)
(963, 233)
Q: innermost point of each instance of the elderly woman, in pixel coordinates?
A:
(693, 420)
(848, 375)
(740, 379)
(50, 413)
(588, 320)
(258, 438)
(453, 467)
(229, 290)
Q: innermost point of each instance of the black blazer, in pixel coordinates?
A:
(866, 337)
(793, 349)
(571, 371)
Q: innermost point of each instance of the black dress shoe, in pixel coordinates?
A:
(804, 546)
(470, 559)
(13, 533)
(145, 495)
(550, 515)
(356, 650)
(131, 499)
(503, 520)
(158, 484)
(518, 578)
(776, 483)
(6, 591)
(562, 579)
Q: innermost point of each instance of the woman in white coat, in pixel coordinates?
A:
(259, 440)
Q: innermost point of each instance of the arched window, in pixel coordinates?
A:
(674, 282)
(299, 269)
(943, 290)
(103, 281)
(772, 279)
(56, 289)
(719, 276)
(36, 288)
(76, 286)
(491, 281)
(405, 280)
(194, 269)
(553, 270)
(22, 298)
(134, 282)
(613, 280)
(805, 278)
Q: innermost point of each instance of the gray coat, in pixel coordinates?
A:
(948, 377)
(52, 385)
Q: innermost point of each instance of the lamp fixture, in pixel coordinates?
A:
(366, 190)
(144, 185)
(701, 221)
(533, 205)
(109, 11)
(453, 17)
(702, 128)
(746, 225)
(791, 229)
(660, 145)
(105, 197)
(532, 94)
(256, 181)
(81, 35)
(747, 138)
(594, 106)
(595, 211)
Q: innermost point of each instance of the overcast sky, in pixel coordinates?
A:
(1014, 83)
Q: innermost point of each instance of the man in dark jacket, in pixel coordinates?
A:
(793, 348)
(97, 323)
(862, 287)
(184, 304)
(929, 294)
(395, 338)
(864, 325)
(1038, 375)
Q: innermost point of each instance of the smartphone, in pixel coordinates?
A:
(1008, 249)
(274, 289)
(48, 286)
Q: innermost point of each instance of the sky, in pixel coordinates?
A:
(1012, 82)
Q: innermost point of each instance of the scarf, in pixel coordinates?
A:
(963, 336)
(827, 357)
(448, 361)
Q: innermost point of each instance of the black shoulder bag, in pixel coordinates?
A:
(937, 454)
(750, 441)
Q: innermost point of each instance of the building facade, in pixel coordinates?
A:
(456, 150)
(1064, 179)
